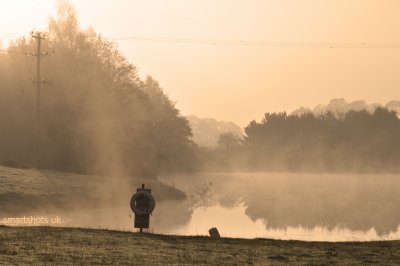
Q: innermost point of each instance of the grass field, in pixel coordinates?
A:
(74, 246)
(37, 192)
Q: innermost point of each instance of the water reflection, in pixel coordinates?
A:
(296, 206)
(233, 222)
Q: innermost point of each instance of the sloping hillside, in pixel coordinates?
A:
(77, 198)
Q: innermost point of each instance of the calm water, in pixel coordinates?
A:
(266, 205)
(284, 206)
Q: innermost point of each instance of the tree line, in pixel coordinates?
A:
(97, 115)
(356, 141)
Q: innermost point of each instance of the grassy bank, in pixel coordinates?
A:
(38, 192)
(60, 246)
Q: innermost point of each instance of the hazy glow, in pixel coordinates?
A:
(241, 83)
(19, 17)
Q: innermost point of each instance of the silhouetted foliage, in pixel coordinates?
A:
(228, 141)
(340, 106)
(96, 114)
(356, 141)
(360, 141)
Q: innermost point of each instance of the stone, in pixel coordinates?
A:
(214, 233)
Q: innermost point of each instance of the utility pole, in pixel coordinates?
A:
(39, 37)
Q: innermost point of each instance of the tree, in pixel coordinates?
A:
(228, 141)
(172, 133)
(97, 115)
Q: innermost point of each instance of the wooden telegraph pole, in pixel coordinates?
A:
(39, 37)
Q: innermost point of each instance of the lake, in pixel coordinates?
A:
(312, 207)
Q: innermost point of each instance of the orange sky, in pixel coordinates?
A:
(240, 83)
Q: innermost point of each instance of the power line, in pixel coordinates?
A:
(251, 43)
(382, 45)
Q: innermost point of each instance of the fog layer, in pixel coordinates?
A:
(282, 200)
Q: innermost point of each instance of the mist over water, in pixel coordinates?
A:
(312, 207)
(324, 207)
